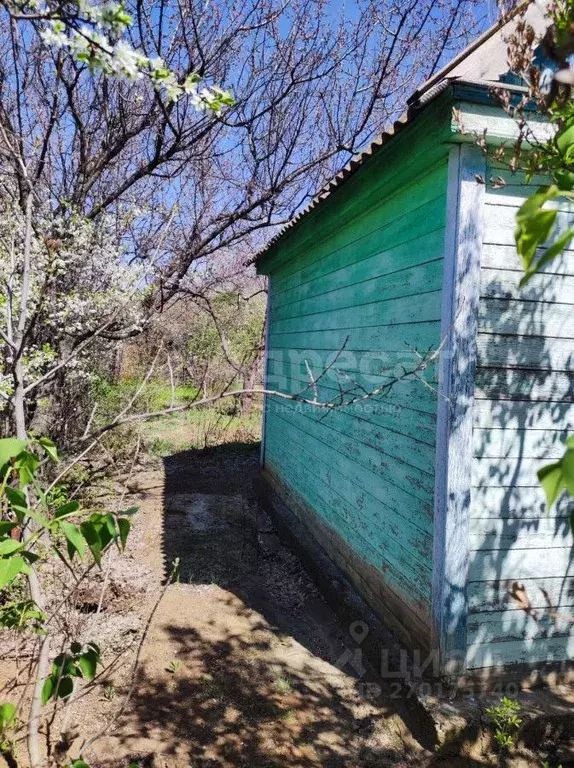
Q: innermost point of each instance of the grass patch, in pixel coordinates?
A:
(198, 428)
(201, 428)
(283, 685)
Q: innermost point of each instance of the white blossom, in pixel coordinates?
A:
(79, 281)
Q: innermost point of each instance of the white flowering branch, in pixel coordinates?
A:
(94, 33)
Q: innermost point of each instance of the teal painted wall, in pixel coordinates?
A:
(524, 404)
(366, 269)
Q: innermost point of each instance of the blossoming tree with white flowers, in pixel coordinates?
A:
(95, 34)
(69, 277)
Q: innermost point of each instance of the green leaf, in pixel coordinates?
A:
(92, 537)
(19, 614)
(9, 448)
(129, 512)
(564, 179)
(50, 447)
(18, 502)
(124, 529)
(6, 526)
(532, 232)
(553, 250)
(7, 715)
(110, 523)
(40, 520)
(565, 138)
(65, 687)
(31, 557)
(7, 546)
(27, 463)
(48, 689)
(67, 509)
(88, 663)
(568, 470)
(78, 764)
(105, 528)
(10, 568)
(74, 538)
(551, 479)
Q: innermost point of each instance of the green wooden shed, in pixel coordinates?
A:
(427, 498)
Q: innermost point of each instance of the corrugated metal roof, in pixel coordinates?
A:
(483, 57)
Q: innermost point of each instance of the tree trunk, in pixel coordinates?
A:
(19, 416)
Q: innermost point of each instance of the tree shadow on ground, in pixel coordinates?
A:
(257, 679)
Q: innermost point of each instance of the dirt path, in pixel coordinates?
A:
(240, 667)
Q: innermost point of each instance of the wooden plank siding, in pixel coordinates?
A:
(524, 406)
(430, 504)
(365, 272)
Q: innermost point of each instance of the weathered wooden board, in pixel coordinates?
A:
(411, 281)
(459, 300)
(386, 260)
(520, 534)
(507, 414)
(511, 472)
(514, 193)
(502, 223)
(358, 460)
(328, 250)
(521, 502)
(368, 371)
(497, 596)
(471, 120)
(521, 564)
(516, 625)
(505, 257)
(400, 338)
(554, 528)
(517, 384)
(412, 451)
(399, 489)
(384, 229)
(504, 284)
(526, 318)
(411, 394)
(389, 415)
(399, 310)
(532, 352)
(526, 443)
(394, 537)
(529, 651)
(524, 409)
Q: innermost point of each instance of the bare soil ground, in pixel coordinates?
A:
(240, 663)
(244, 664)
